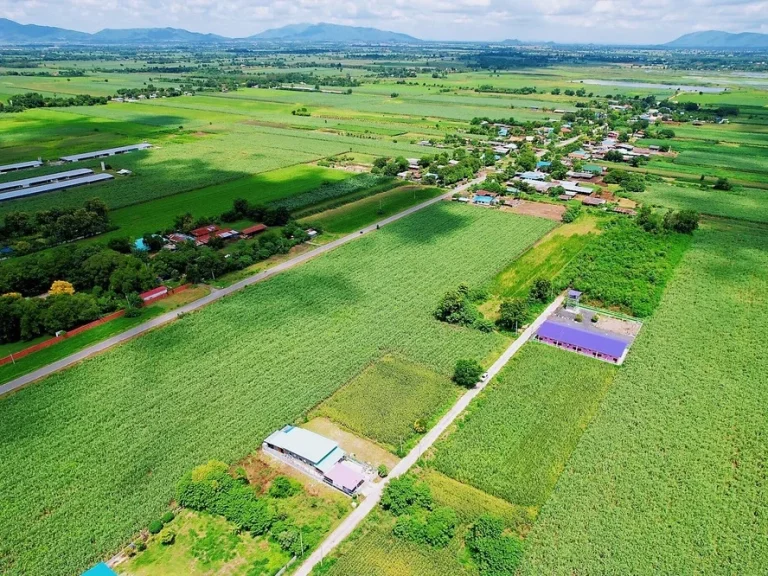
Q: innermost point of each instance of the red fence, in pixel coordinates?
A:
(80, 329)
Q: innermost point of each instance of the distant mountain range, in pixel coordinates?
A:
(333, 33)
(14, 33)
(718, 39)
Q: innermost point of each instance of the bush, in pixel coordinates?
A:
(167, 517)
(541, 290)
(168, 537)
(140, 545)
(723, 184)
(512, 314)
(382, 471)
(571, 213)
(467, 373)
(579, 318)
(284, 487)
(155, 527)
(404, 494)
(419, 426)
(494, 552)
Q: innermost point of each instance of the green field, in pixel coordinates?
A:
(671, 476)
(516, 438)
(94, 451)
(373, 550)
(741, 203)
(356, 215)
(387, 398)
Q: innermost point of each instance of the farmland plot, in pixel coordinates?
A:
(671, 477)
(517, 436)
(91, 454)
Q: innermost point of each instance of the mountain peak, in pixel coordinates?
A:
(720, 39)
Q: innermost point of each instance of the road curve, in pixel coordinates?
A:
(372, 499)
(158, 321)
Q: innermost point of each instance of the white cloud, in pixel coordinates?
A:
(608, 21)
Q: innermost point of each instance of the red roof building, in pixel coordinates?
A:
(154, 294)
(204, 230)
(253, 230)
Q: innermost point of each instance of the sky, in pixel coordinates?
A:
(583, 21)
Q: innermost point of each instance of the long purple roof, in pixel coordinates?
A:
(582, 338)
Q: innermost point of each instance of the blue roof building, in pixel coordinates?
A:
(100, 570)
(586, 342)
(484, 200)
(543, 164)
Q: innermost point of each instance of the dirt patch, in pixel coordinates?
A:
(540, 209)
(262, 469)
(358, 448)
(199, 134)
(627, 203)
(618, 326)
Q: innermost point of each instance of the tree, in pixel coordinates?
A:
(132, 275)
(526, 160)
(723, 184)
(512, 314)
(541, 290)
(61, 287)
(455, 309)
(467, 373)
(404, 493)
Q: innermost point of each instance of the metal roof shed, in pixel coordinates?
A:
(303, 443)
(20, 166)
(583, 339)
(107, 152)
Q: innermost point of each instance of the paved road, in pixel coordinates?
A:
(372, 498)
(217, 294)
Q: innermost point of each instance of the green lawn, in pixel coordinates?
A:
(671, 477)
(97, 449)
(385, 401)
(516, 438)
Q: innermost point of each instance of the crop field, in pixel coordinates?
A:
(387, 398)
(373, 550)
(741, 203)
(516, 438)
(671, 475)
(356, 215)
(91, 454)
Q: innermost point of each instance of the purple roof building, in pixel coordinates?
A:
(586, 342)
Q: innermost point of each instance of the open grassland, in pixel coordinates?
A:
(91, 454)
(387, 399)
(516, 438)
(741, 203)
(671, 477)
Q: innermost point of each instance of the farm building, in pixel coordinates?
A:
(20, 166)
(627, 211)
(58, 176)
(591, 201)
(593, 168)
(154, 294)
(55, 186)
(317, 455)
(484, 200)
(253, 230)
(582, 341)
(178, 238)
(535, 175)
(104, 153)
(574, 187)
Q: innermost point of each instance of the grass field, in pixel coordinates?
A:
(741, 203)
(515, 439)
(671, 476)
(359, 214)
(92, 453)
(387, 398)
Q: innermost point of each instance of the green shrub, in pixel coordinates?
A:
(167, 517)
(467, 373)
(403, 494)
(578, 318)
(168, 537)
(155, 526)
(383, 471)
(495, 553)
(284, 487)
